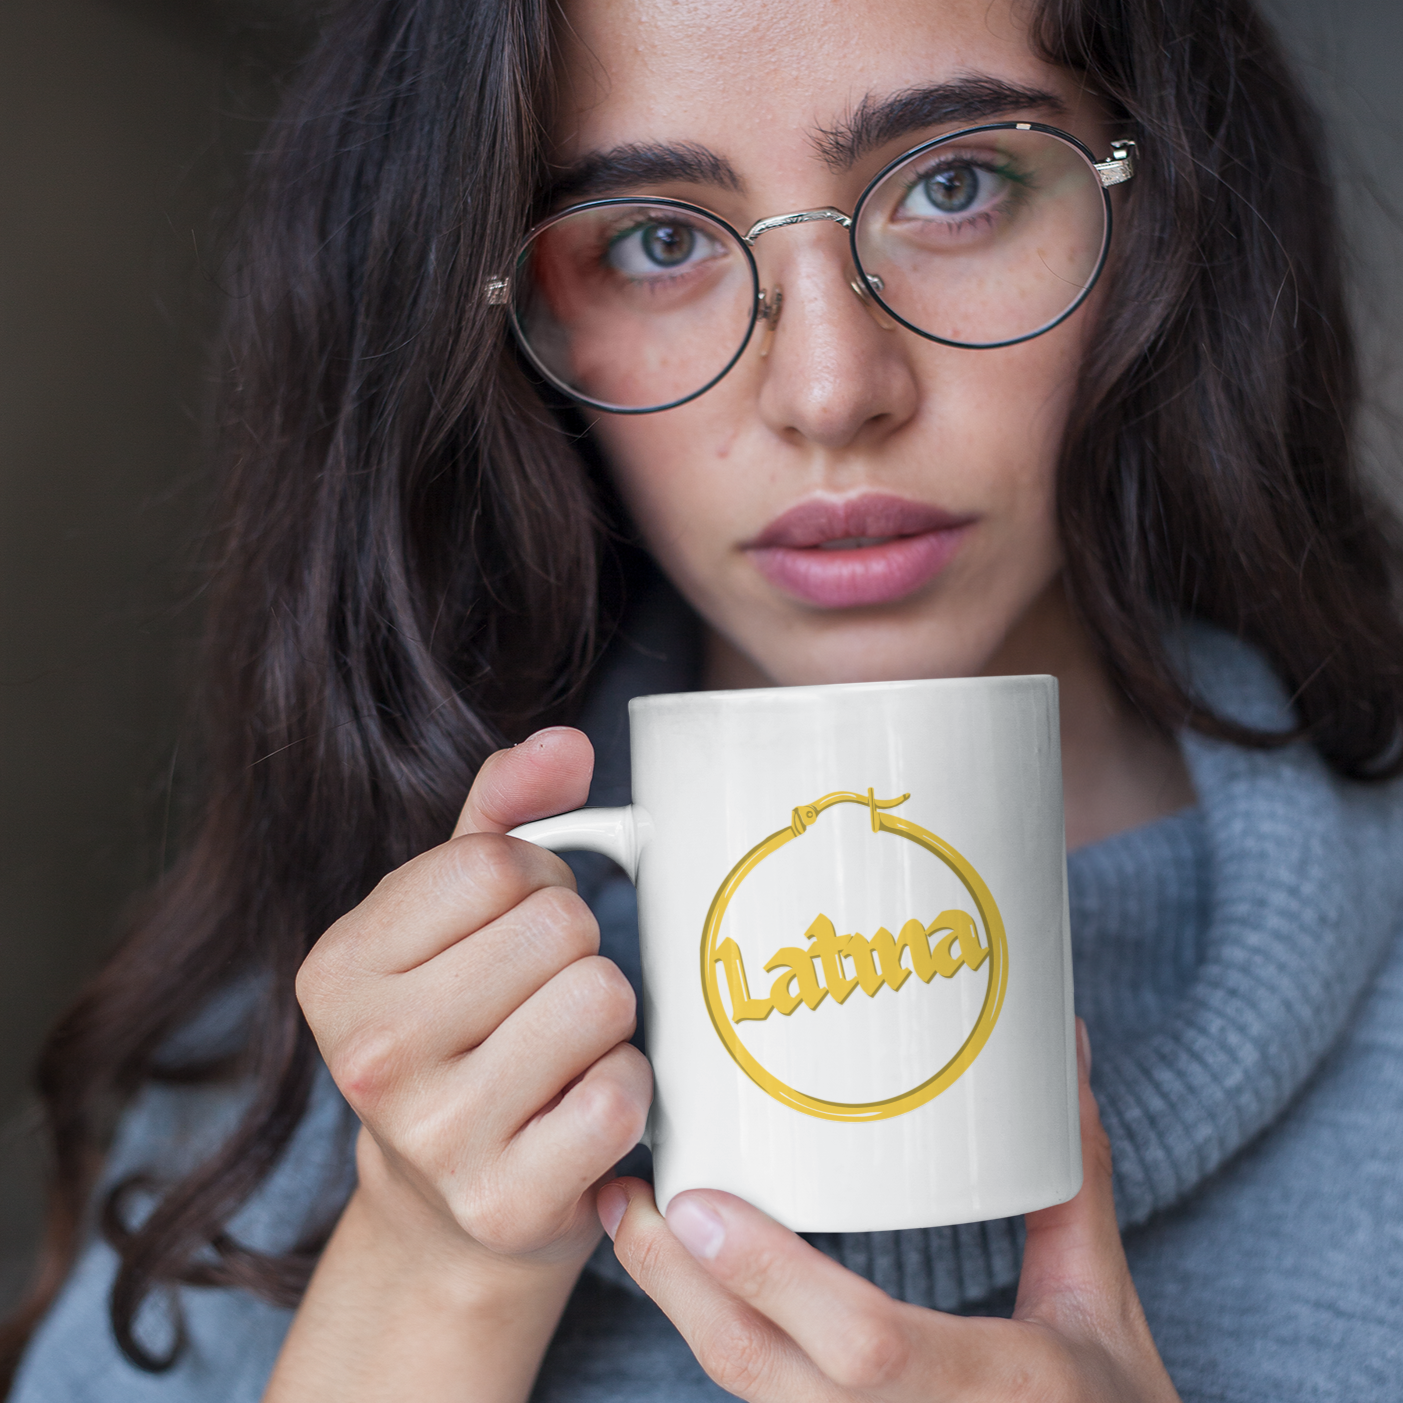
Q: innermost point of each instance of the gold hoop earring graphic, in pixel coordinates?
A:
(715, 952)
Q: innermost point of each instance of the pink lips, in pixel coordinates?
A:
(873, 549)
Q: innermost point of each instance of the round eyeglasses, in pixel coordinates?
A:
(982, 238)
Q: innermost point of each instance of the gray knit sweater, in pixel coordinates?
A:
(1238, 969)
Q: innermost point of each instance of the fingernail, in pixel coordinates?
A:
(696, 1226)
(1083, 1050)
(610, 1203)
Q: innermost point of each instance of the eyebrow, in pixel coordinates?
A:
(627, 167)
(972, 99)
(871, 124)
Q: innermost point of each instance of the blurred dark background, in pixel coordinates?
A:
(124, 126)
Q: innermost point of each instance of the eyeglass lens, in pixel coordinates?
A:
(634, 306)
(983, 239)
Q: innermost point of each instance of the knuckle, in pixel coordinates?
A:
(423, 1141)
(308, 986)
(494, 1220)
(610, 994)
(1045, 1373)
(634, 1072)
(559, 916)
(481, 860)
(1019, 1385)
(644, 1253)
(324, 968)
(613, 1109)
(736, 1353)
(367, 1065)
(761, 1267)
(869, 1352)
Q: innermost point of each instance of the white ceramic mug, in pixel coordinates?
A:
(857, 971)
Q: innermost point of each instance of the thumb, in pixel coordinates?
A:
(1073, 1259)
(548, 773)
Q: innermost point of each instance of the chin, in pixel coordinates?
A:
(878, 651)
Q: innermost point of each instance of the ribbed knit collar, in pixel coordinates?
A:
(1303, 896)
(1218, 953)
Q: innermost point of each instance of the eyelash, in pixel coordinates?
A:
(1018, 180)
(662, 279)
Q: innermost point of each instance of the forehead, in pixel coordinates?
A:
(771, 74)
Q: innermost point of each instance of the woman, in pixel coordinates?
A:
(1143, 485)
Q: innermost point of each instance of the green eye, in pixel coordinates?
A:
(667, 245)
(953, 189)
(659, 246)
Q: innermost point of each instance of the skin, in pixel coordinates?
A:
(841, 405)
(491, 1122)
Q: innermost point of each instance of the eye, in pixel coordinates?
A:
(660, 246)
(952, 189)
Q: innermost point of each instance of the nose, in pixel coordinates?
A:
(837, 372)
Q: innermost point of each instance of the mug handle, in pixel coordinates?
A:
(617, 833)
(613, 832)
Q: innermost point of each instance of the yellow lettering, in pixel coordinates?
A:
(828, 948)
(798, 984)
(942, 959)
(943, 956)
(743, 1007)
(962, 930)
(876, 961)
(914, 938)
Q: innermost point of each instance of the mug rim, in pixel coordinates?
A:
(763, 696)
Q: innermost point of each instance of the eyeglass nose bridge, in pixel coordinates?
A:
(770, 306)
(803, 216)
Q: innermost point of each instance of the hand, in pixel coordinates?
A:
(465, 1013)
(772, 1319)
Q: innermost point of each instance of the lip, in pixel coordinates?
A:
(910, 544)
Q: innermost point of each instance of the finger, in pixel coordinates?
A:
(1073, 1260)
(557, 1034)
(1075, 1277)
(387, 1031)
(740, 1349)
(431, 903)
(455, 1001)
(539, 1189)
(557, 1155)
(454, 1120)
(548, 773)
(853, 1331)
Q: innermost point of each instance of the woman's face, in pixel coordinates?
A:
(858, 503)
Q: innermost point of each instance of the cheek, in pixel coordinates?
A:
(984, 439)
(681, 473)
(991, 423)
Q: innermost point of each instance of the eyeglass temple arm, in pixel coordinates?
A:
(1121, 166)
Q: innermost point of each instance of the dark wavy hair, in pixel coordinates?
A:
(414, 562)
